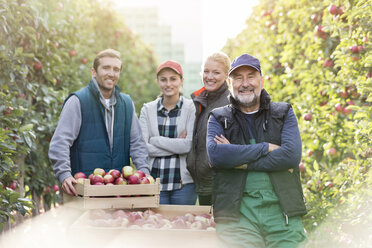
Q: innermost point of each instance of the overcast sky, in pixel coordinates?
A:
(202, 25)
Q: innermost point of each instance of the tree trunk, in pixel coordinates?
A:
(36, 199)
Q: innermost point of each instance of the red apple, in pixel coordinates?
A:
(328, 63)
(99, 171)
(333, 10)
(120, 181)
(350, 102)
(96, 179)
(144, 180)
(310, 153)
(151, 179)
(339, 108)
(354, 49)
(133, 180)
(90, 176)
(13, 185)
(72, 53)
(332, 152)
(108, 179)
(98, 183)
(55, 188)
(114, 173)
(307, 117)
(140, 174)
(314, 18)
(47, 190)
(38, 66)
(127, 171)
(84, 60)
(79, 175)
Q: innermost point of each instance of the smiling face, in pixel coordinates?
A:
(169, 82)
(246, 84)
(213, 75)
(107, 75)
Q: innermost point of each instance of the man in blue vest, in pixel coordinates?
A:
(254, 148)
(98, 127)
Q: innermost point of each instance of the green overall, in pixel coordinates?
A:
(261, 222)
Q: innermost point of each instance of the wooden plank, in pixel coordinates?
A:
(113, 190)
(121, 203)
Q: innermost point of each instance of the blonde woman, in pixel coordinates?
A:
(213, 95)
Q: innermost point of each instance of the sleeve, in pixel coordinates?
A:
(138, 149)
(288, 155)
(145, 126)
(226, 156)
(177, 145)
(67, 131)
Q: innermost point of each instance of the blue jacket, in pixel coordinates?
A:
(92, 149)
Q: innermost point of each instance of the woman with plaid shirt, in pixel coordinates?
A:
(167, 127)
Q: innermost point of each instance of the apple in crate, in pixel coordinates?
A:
(151, 179)
(140, 174)
(120, 181)
(133, 180)
(99, 171)
(96, 179)
(127, 171)
(144, 180)
(108, 179)
(114, 173)
(79, 175)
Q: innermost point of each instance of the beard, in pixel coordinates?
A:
(247, 101)
(250, 100)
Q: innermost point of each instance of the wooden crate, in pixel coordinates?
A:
(82, 232)
(105, 196)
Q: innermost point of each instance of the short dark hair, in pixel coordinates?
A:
(105, 53)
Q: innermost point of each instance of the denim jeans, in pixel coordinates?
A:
(183, 196)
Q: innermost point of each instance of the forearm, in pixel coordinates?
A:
(230, 155)
(288, 155)
(172, 145)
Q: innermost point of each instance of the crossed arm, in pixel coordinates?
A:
(259, 157)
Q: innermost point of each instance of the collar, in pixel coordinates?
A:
(161, 107)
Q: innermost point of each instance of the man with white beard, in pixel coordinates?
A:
(254, 148)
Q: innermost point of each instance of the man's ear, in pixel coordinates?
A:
(262, 81)
(94, 73)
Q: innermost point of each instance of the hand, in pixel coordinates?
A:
(68, 186)
(273, 147)
(183, 134)
(221, 139)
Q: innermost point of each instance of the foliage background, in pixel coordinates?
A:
(308, 57)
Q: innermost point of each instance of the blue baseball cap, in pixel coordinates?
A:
(245, 60)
